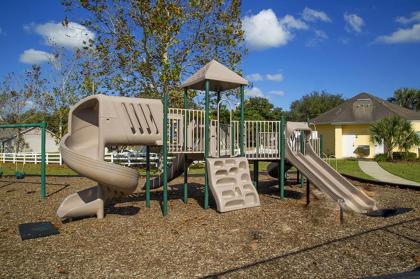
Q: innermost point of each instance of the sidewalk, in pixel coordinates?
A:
(373, 169)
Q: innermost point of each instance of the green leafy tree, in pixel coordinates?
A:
(407, 97)
(313, 104)
(147, 47)
(394, 132)
(259, 108)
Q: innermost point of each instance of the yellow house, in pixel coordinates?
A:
(345, 128)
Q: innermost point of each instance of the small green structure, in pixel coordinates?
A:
(43, 126)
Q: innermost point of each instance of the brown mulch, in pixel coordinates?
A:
(282, 238)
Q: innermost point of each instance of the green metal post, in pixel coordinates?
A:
(297, 176)
(206, 142)
(282, 156)
(148, 176)
(242, 122)
(165, 154)
(233, 139)
(218, 125)
(256, 170)
(321, 145)
(186, 146)
(43, 164)
(302, 150)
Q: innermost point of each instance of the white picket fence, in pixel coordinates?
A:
(55, 158)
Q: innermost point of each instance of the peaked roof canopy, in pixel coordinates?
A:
(364, 108)
(221, 78)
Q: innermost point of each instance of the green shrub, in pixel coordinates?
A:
(406, 156)
(381, 158)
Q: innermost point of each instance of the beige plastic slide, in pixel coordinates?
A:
(322, 175)
(98, 121)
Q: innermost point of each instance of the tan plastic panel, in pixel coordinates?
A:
(95, 122)
(230, 183)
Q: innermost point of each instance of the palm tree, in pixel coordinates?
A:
(407, 97)
(394, 131)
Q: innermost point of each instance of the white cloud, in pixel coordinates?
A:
(254, 77)
(276, 92)
(264, 30)
(290, 22)
(73, 35)
(354, 23)
(274, 77)
(414, 17)
(407, 35)
(311, 15)
(32, 56)
(320, 36)
(254, 92)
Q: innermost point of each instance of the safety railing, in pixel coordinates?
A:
(295, 141)
(189, 140)
(261, 139)
(221, 140)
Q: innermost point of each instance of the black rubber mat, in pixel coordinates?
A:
(36, 230)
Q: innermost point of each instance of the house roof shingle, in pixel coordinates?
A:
(362, 109)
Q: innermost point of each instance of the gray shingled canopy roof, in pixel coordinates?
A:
(6, 134)
(221, 78)
(364, 108)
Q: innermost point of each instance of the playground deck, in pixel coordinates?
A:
(279, 239)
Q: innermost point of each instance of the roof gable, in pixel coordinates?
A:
(364, 108)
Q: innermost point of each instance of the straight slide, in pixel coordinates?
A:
(322, 175)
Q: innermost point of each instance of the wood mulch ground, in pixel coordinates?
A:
(282, 238)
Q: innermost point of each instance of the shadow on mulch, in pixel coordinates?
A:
(271, 189)
(59, 190)
(7, 184)
(308, 249)
(122, 210)
(388, 212)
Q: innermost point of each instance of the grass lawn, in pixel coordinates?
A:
(407, 170)
(57, 170)
(35, 169)
(344, 166)
(350, 167)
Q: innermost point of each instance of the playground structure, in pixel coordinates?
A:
(19, 174)
(190, 134)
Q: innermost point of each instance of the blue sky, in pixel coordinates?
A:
(295, 47)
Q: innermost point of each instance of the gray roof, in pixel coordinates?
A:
(6, 134)
(221, 78)
(364, 108)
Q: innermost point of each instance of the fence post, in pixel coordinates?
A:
(14, 158)
(321, 145)
(47, 158)
(61, 159)
(35, 158)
